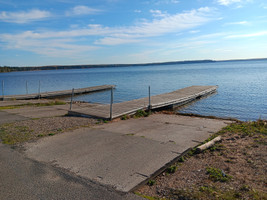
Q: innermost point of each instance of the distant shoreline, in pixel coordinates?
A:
(59, 67)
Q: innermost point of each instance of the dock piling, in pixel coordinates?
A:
(149, 99)
(39, 90)
(26, 87)
(72, 94)
(3, 89)
(111, 102)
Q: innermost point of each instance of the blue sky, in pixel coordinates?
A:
(57, 32)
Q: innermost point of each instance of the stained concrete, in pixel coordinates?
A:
(6, 117)
(124, 154)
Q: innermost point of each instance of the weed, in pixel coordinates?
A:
(182, 159)
(171, 169)
(125, 117)
(130, 134)
(40, 135)
(207, 189)
(141, 113)
(151, 182)
(244, 188)
(147, 197)
(51, 134)
(216, 174)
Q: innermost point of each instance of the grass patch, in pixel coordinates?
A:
(246, 128)
(125, 117)
(50, 103)
(141, 113)
(15, 134)
(151, 182)
(171, 169)
(216, 174)
(146, 196)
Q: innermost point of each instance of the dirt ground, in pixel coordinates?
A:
(17, 132)
(235, 168)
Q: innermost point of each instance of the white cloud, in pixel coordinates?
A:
(157, 13)
(24, 17)
(116, 41)
(238, 23)
(249, 35)
(230, 2)
(157, 2)
(63, 41)
(227, 2)
(82, 10)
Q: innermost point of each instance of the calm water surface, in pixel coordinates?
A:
(242, 91)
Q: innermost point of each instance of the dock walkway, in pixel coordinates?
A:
(57, 94)
(178, 97)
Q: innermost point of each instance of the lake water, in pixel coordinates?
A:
(242, 91)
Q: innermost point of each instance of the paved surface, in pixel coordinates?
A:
(41, 111)
(22, 178)
(123, 154)
(178, 97)
(6, 117)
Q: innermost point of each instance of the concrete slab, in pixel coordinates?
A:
(182, 130)
(113, 159)
(23, 178)
(123, 154)
(6, 117)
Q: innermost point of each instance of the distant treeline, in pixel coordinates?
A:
(55, 67)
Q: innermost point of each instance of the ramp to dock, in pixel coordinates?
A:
(58, 94)
(178, 97)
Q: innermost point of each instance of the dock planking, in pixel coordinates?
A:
(171, 99)
(58, 94)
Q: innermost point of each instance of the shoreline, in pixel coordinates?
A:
(6, 69)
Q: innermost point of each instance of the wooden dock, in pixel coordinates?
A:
(176, 98)
(57, 94)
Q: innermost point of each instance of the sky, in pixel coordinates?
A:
(68, 32)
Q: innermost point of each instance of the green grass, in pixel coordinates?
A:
(51, 103)
(15, 135)
(141, 113)
(216, 174)
(171, 169)
(147, 197)
(151, 182)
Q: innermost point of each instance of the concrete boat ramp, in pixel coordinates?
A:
(175, 98)
(124, 154)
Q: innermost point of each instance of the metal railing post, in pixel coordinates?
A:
(3, 89)
(111, 102)
(149, 99)
(26, 87)
(72, 94)
(39, 90)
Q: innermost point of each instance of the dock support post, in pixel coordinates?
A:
(111, 102)
(26, 87)
(149, 99)
(72, 94)
(3, 89)
(39, 90)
